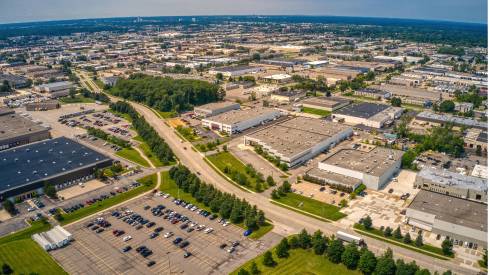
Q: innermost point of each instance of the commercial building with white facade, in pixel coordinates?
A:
(368, 114)
(455, 218)
(215, 108)
(452, 184)
(373, 166)
(236, 121)
(297, 140)
(236, 70)
(325, 103)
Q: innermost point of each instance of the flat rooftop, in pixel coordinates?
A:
(13, 125)
(453, 210)
(234, 68)
(43, 160)
(443, 118)
(404, 91)
(362, 110)
(449, 178)
(297, 135)
(367, 159)
(327, 102)
(236, 116)
(216, 105)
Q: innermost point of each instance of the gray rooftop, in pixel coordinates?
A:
(323, 101)
(237, 116)
(453, 210)
(449, 178)
(216, 105)
(362, 110)
(13, 125)
(443, 118)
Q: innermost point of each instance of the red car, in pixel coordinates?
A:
(175, 221)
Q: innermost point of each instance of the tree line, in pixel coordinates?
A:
(228, 206)
(167, 94)
(157, 145)
(105, 136)
(334, 250)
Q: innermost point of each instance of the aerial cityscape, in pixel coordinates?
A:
(243, 144)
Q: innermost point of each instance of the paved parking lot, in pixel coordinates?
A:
(93, 253)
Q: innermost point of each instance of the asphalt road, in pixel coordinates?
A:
(286, 222)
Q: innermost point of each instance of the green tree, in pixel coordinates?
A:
(385, 266)
(419, 240)
(388, 231)
(367, 262)
(350, 256)
(396, 101)
(367, 222)
(243, 272)
(282, 250)
(335, 250)
(304, 239)
(447, 247)
(270, 181)
(294, 242)
(274, 194)
(423, 272)
(50, 190)
(398, 233)
(403, 268)
(6, 269)
(254, 269)
(219, 76)
(447, 106)
(268, 259)
(407, 239)
(9, 207)
(319, 243)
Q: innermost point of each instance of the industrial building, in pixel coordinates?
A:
(55, 238)
(43, 105)
(61, 161)
(297, 140)
(287, 96)
(452, 184)
(236, 121)
(55, 89)
(215, 108)
(433, 119)
(329, 104)
(15, 81)
(455, 218)
(17, 130)
(368, 164)
(368, 114)
(235, 71)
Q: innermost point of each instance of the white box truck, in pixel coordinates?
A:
(346, 237)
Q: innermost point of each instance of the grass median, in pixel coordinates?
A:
(24, 255)
(133, 156)
(299, 262)
(147, 151)
(425, 249)
(305, 206)
(147, 183)
(169, 186)
(314, 111)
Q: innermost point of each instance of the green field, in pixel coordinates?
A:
(133, 155)
(147, 182)
(76, 99)
(300, 261)
(169, 186)
(146, 149)
(423, 249)
(24, 255)
(166, 114)
(314, 111)
(223, 159)
(318, 208)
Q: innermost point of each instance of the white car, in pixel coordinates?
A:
(209, 230)
(166, 196)
(168, 234)
(226, 223)
(127, 238)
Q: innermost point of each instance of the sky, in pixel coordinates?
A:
(43, 10)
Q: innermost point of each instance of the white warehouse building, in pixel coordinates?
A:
(300, 139)
(215, 108)
(236, 121)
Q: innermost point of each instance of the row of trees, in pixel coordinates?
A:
(167, 94)
(105, 136)
(242, 179)
(227, 205)
(275, 160)
(281, 191)
(336, 252)
(157, 145)
(95, 96)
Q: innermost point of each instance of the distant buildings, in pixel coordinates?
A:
(434, 119)
(235, 71)
(368, 114)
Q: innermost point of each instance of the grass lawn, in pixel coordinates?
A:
(133, 155)
(300, 261)
(138, 138)
(318, 208)
(169, 186)
(166, 114)
(223, 159)
(426, 247)
(146, 149)
(147, 182)
(26, 256)
(314, 111)
(76, 99)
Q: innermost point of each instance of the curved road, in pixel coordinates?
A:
(286, 222)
